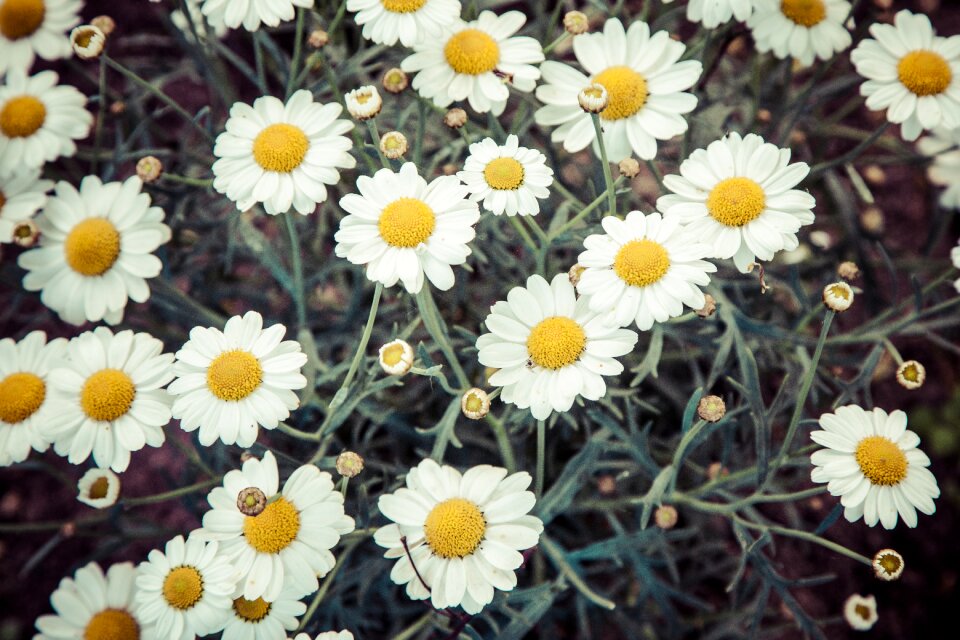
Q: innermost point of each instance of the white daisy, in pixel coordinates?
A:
(475, 61)
(200, 22)
(737, 196)
(185, 591)
(643, 270)
(872, 462)
(231, 381)
(800, 29)
(21, 195)
(282, 155)
(402, 228)
(507, 179)
(98, 488)
(326, 635)
(258, 619)
(108, 397)
(550, 347)
(39, 120)
(464, 533)
(287, 542)
(25, 393)
(93, 605)
(643, 79)
(409, 21)
(30, 28)
(713, 13)
(911, 72)
(96, 249)
(944, 147)
(250, 13)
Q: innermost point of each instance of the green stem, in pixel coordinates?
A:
(523, 233)
(541, 458)
(555, 553)
(414, 628)
(607, 175)
(583, 213)
(193, 182)
(849, 156)
(436, 328)
(297, 263)
(375, 138)
(804, 535)
(297, 52)
(169, 495)
(341, 394)
(503, 442)
(327, 583)
(553, 45)
(101, 114)
(283, 427)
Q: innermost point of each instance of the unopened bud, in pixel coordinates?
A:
(395, 80)
(629, 167)
(87, 41)
(848, 270)
(607, 485)
(455, 118)
(665, 517)
(149, 169)
(349, 464)
(247, 455)
(575, 272)
(709, 307)
(393, 144)
(872, 220)
(838, 296)
(911, 375)
(364, 103)
(874, 174)
(576, 22)
(711, 408)
(593, 98)
(764, 116)
(887, 564)
(318, 39)
(106, 24)
(117, 107)
(25, 233)
(716, 470)
(251, 501)
(396, 357)
(475, 403)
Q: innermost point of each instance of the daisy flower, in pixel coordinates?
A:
(404, 229)
(276, 539)
(24, 393)
(550, 347)
(94, 605)
(872, 462)
(474, 61)
(801, 29)
(108, 397)
(231, 381)
(464, 533)
(98, 488)
(39, 120)
(409, 21)
(185, 590)
(643, 270)
(21, 195)
(261, 620)
(250, 13)
(713, 13)
(326, 635)
(944, 147)
(282, 155)
(644, 82)
(507, 179)
(30, 28)
(912, 73)
(737, 196)
(860, 612)
(200, 22)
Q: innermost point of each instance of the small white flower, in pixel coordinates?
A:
(860, 612)
(87, 41)
(801, 29)
(713, 13)
(98, 488)
(887, 565)
(364, 102)
(261, 620)
(911, 375)
(409, 21)
(326, 635)
(396, 357)
(838, 296)
(943, 145)
(508, 179)
(594, 98)
(30, 28)
(21, 195)
(250, 13)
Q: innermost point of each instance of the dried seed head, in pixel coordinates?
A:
(716, 470)
(395, 80)
(576, 22)
(838, 296)
(848, 270)
(575, 272)
(711, 408)
(349, 464)
(455, 118)
(911, 375)
(665, 517)
(364, 103)
(593, 98)
(26, 233)
(393, 144)
(629, 167)
(887, 565)
(87, 41)
(105, 24)
(251, 501)
(149, 168)
(709, 307)
(475, 403)
(318, 39)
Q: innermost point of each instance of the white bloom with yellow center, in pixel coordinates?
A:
(872, 462)
(943, 146)
(96, 249)
(713, 13)
(231, 381)
(737, 196)
(464, 533)
(550, 347)
(93, 605)
(404, 229)
(287, 544)
(108, 399)
(258, 619)
(21, 195)
(643, 269)
(475, 61)
(645, 84)
(282, 155)
(250, 13)
(39, 120)
(912, 73)
(409, 21)
(98, 488)
(800, 29)
(30, 28)
(507, 179)
(186, 590)
(181, 22)
(326, 635)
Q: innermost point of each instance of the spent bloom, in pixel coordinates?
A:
(98, 488)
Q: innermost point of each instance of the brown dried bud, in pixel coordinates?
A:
(247, 455)
(395, 80)
(251, 501)
(629, 167)
(848, 270)
(455, 118)
(149, 168)
(105, 24)
(887, 564)
(711, 408)
(716, 470)
(665, 517)
(576, 22)
(26, 233)
(709, 307)
(764, 116)
(575, 272)
(349, 464)
(318, 39)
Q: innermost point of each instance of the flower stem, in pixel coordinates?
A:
(297, 263)
(607, 175)
(169, 495)
(297, 53)
(583, 213)
(437, 330)
(375, 138)
(341, 394)
(541, 458)
(503, 442)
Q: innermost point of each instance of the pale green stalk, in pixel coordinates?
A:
(341, 394)
(607, 175)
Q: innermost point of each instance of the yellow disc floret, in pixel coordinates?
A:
(22, 116)
(806, 13)
(640, 263)
(402, 6)
(112, 624)
(881, 460)
(504, 174)
(98, 490)
(92, 247)
(280, 148)
(556, 342)
(406, 223)
(454, 528)
(21, 394)
(183, 587)
(234, 375)
(736, 201)
(392, 354)
(107, 395)
(627, 91)
(472, 52)
(251, 610)
(925, 73)
(274, 528)
(21, 18)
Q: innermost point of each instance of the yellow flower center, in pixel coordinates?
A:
(474, 403)
(92, 247)
(862, 610)
(280, 148)
(20, 18)
(556, 342)
(406, 222)
(890, 563)
(107, 395)
(806, 13)
(183, 587)
(881, 460)
(402, 6)
(911, 373)
(838, 290)
(98, 489)
(504, 174)
(234, 375)
(22, 117)
(736, 201)
(273, 528)
(924, 73)
(626, 90)
(392, 355)
(454, 528)
(472, 52)
(21, 394)
(251, 610)
(640, 263)
(112, 624)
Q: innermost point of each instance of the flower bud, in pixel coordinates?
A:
(715, 470)
(665, 517)
(709, 307)
(87, 41)
(364, 103)
(349, 464)
(576, 22)
(475, 403)
(848, 270)
(149, 169)
(396, 357)
(25, 233)
(593, 98)
(711, 408)
(575, 272)
(251, 501)
(106, 24)
(629, 167)
(887, 565)
(838, 296)
(911, 375)
(318, 39)
(393, 145)
(98, 488)
(455, 118)
(395, 80)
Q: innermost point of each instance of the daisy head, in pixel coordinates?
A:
(261, 620)
(860, 612)
(181, 22)
(887, 565)
(800, 29)
(404, 229)
(30, 28)
(645, 85)
(464, 533)
(475, 61)
(912, 73)
(872, 462)
(550, 347)
(96, 249)
(98, 488)
(508, 179)
(280, 154)
(942, 145)
(326, 635)
(643, 269)
(713, 13)
(409, 21)
(21, 195)
(737, 196)
(250, 13)
(229, 382)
